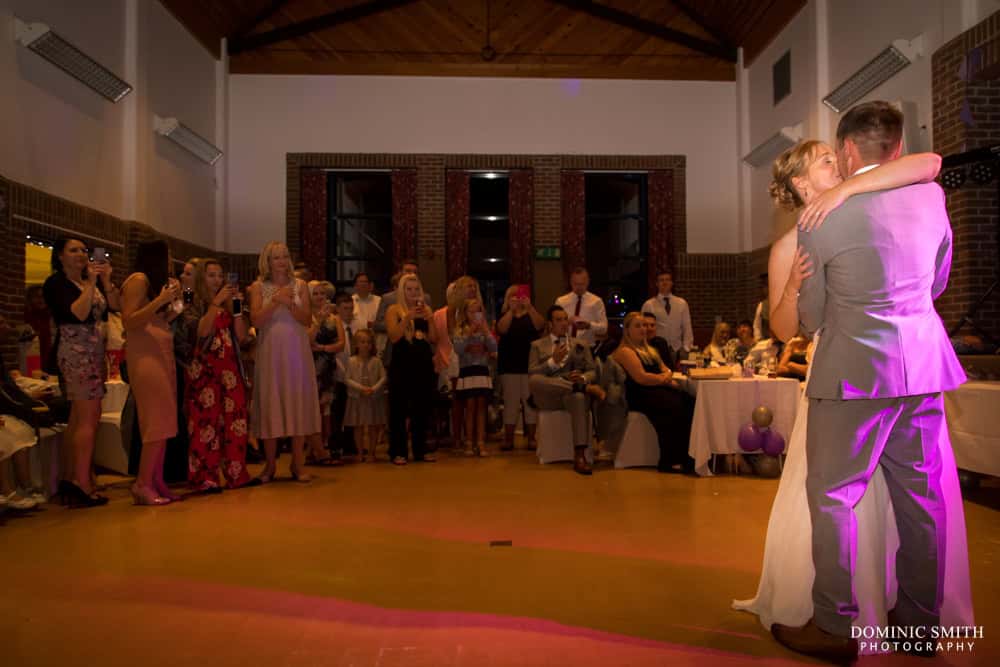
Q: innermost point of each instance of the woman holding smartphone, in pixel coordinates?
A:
(216, 395)
(78, 294)
(411, 373)
(519, 326)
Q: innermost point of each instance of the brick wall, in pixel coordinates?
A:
(26, 211)
(713, 284)
(973, 208)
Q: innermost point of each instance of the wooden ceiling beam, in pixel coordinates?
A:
(267, 12)
(633, 22)
(700, 21)
(322, 22)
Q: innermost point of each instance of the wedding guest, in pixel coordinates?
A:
(365, 379)
(519, 326)
(366, 304)
(185, 330)
(563, 377)
(302, 272)
(793, 362)
(587, 316)
(716, 349)
(650, 389)
(216, 395)
(38, 317)
(343, 434)
(186, 275)
(407, 266)
(285, 398)
(445, 359)
(411, 373)
(78, 294)
(673, 318)
(150, 301)
(739, 347)
(658, 343)
(473, 344)
(16, 437)
(329, 337)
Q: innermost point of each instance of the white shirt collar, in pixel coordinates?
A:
(864, 169)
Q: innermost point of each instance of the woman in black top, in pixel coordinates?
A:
(518, 326)
(78, 294)
(651, 390)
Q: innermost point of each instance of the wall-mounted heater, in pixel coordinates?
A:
(774, 145)
(880, 69)
(187, 139)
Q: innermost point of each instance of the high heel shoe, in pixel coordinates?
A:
(142, 495)
(298, 475)
(165, 492)
(74, 497)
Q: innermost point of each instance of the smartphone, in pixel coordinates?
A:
(523, 292)
(188, 296)
(100, 255)
(233, 279)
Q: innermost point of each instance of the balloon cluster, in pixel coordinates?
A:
(758, 435)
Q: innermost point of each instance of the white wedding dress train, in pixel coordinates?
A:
(784, 594)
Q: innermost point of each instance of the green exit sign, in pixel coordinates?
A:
(548, 252)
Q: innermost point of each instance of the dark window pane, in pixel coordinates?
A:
(615, 194)
(488, 196)
(364, 194)
(362, 237)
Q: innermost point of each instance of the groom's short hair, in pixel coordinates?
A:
(876, 128)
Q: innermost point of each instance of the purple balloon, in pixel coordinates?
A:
(750, 439)
(773, 443)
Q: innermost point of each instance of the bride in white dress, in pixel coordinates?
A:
(806, 176)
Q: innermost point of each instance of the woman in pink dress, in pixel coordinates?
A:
(150, 301)
(285, 398)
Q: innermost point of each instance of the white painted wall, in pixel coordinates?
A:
(61, 137)
(271, 116)
(832, 39)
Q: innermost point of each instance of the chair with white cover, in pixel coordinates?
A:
(639, 446)
(555, 437)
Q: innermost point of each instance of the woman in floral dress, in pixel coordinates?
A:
(216, 391)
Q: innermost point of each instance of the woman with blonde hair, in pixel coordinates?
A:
(717, 348)
(651, 390)
(806, 179)
(519, 326)
(329, 337)
(285, 399)
(445, 359)
(411, 373)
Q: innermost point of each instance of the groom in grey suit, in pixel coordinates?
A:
(875, 391)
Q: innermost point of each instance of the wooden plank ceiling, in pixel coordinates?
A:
(628, 39)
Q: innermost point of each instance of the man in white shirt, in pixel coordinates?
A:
(365, 303)
(587, 316)
(673, 319)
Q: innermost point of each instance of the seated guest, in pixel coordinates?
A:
(739, 347)
(716, 350)
(659, 343)
(587, 316)
(673, 318)
(563, 377)
(651, 390)
(793, 362)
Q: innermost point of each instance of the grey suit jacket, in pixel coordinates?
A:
(879, 262)
(579, 359)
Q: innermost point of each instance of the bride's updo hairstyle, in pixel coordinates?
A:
(793, 162)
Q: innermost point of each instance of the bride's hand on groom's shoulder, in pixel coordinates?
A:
(815, 212)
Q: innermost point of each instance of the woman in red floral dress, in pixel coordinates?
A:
(216, 397)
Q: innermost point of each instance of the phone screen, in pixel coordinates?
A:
(523, 292)
(100, 255)
(233, 279)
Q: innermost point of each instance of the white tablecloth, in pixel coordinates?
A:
(723, 406)
(974, 424)
(115, 429)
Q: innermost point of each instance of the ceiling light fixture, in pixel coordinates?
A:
(880, 69)
(188, 139)
(774, 145)
(40, 38)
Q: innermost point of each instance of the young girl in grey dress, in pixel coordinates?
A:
(365, 397)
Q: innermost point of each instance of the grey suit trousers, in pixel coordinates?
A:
(556, 393)
(844, 443)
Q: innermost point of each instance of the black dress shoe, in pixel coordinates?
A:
(812, 640)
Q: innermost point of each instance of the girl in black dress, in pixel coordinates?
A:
(651, 390)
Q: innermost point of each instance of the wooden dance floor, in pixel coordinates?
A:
(465, 562)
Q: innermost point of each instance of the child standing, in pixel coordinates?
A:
(473, 344)
(365, 380)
